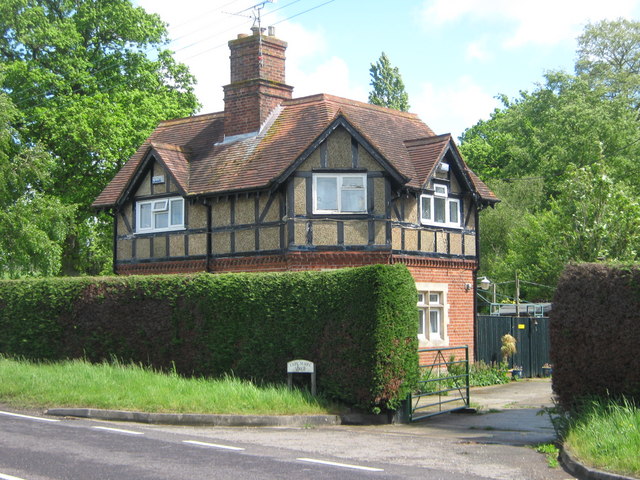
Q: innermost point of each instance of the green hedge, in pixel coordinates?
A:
(358, 325)
(595, 334)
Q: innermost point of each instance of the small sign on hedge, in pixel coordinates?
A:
(301, 366)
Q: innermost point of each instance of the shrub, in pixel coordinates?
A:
(358, 325)
(594, 333)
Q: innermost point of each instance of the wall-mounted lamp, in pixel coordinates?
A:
(467, 286)
(485, 283)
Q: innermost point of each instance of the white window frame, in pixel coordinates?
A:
(432, 298)
(340, 187)
(159, 207)
(441, 192)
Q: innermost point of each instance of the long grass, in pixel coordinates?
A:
(113, 385)
(606, 435)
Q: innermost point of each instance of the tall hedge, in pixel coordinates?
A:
(358, 325)
(595, 333)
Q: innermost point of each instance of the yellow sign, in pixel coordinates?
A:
(521, 326)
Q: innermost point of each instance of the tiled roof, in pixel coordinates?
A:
(427, 152)
(202, 163)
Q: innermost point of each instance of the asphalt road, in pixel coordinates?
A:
(33, 448)
(493, 445)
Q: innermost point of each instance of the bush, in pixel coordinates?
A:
(357, 325)
(594, 333)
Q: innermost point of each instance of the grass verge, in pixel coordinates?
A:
(606, 435)
(77, 383)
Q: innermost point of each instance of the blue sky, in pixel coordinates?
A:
(454, 56)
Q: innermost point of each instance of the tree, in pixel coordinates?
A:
(91, 80)
(577, 137)
(33, 224)
(609, 51)
(388, 88)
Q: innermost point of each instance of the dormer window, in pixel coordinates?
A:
(439, 209)
(160, 215)
(339, 193)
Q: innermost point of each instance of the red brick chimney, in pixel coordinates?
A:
(257, 82)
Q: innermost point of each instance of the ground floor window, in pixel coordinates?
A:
(432, 314)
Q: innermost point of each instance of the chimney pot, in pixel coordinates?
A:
(272, 31)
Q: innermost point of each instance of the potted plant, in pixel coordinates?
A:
(507, 350)
(547, 370)
(516, 372)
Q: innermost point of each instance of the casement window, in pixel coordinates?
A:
(160, 215)
(432, 314)
(339, 193)
(439, 209)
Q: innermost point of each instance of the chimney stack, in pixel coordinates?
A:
(257, 82)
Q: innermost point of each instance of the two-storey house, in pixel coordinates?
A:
(274, 183)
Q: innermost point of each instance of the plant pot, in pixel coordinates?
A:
(547, 371)
(516, 373)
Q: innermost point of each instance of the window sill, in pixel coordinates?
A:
(164, 230)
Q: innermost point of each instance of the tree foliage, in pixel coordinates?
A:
(33, 224)
(388, 87)
(90, 79)
(564, 158)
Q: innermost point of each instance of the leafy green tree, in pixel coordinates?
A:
(566, 121)
(609, 51)
(91, 79)
(578, 136)
(33, 224)
(388, 87)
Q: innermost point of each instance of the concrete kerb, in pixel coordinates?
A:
(586, 473)
(193, 419)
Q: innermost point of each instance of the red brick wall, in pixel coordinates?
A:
(461, 301)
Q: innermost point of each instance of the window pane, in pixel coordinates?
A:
(160, 206)
(434, 323)
(440, 190)
(421, 298)
(454, 212)
(161, 220)
(327, 193)
(176, 212)
(426, 208)
(145, 215)
(353, 182)
(421, 322)
(434, 298)
(352, 201)
(439, 207)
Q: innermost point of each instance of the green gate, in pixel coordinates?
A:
(444, 383)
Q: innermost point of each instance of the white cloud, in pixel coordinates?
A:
(543, 22)
(454, 108)
(478, 50)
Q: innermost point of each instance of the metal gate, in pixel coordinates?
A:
(532, 341)
(444, 383)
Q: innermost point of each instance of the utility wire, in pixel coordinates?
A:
(150, 51)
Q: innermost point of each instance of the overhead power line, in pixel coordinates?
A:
(149, 51)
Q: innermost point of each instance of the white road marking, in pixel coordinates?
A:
(343, 465)
(212, 445)
(118, 430)
(8, 477)
(29, 417)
